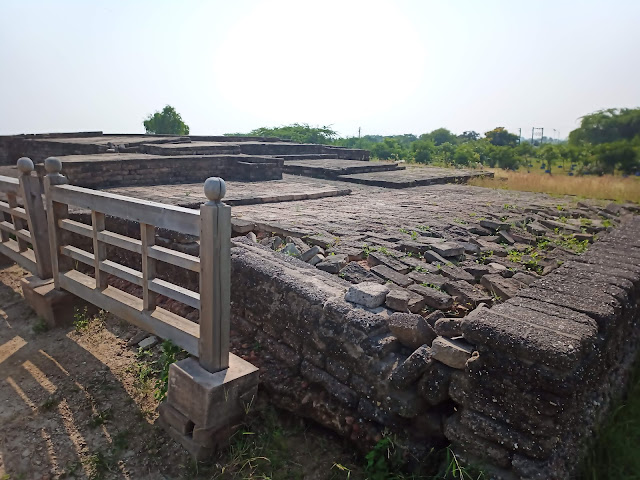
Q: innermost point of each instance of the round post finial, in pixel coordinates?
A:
(53, 165)
(214, 189)
(25, 165)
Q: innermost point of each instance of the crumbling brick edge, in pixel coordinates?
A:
(550, 364)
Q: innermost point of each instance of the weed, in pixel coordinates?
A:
(40, 326)
(543, 244)
(453, 469)
(606, 223)
(532, 263)
(121, 440)
(586, 221)
(614, 453)
(98, 465)
(100, 418)
(484, 257)
(572, 243)
(508, 206)
(431, 285)
(142, 354)
(80, 319)
(383, 460)
(261, 451)
(460, 221)
(48, 404)
(423, 228)
(514, 256)
(71, 468)
(169, 355)
(342, 468)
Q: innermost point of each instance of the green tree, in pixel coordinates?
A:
(465, 155)
(500, 137)
(388, 149)
(505, 157)
(423, 151)
(606, 126)
(297, 132)
(620, 155)
(469, 136)
(440, 136)
(167, 122)
(549, 154)
(446, 151)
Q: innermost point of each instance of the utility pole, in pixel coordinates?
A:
(541, 135)
(532, 130)
(358, 132)
(519, 135)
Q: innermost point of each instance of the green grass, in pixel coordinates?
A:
(615, 455)
(40, 326)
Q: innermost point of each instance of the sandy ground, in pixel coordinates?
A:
(75, 405)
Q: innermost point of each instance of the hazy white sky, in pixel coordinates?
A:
(388, 67)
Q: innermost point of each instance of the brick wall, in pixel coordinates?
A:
(158, 171)
(550, 363)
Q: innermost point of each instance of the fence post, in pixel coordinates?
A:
(55, 211)
(215, 277)
(31, 193)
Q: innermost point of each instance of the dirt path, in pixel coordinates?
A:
(80, 404)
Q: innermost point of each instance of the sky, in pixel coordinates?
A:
(386, 67)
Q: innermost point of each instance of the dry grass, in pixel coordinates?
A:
(607, 187)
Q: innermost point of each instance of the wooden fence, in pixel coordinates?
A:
(23, 222)
(208, 340)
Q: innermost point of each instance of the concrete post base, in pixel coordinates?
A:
(204, 409)
(56, 307)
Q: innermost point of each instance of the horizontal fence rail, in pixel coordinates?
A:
(209, 340)
(23, 228)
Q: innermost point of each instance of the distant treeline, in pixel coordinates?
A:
(607, 141)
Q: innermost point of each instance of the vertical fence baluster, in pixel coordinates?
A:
(18, 223)
(55, 212)
(215, 277)
(99, 249)
(148, 237)
(31, 193)
(4, 235)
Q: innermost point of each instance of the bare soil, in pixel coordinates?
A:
(80, 404)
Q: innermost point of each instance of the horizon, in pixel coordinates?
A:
(377, 66)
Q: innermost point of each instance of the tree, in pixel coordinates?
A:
(440, 136)
(423, 151)
(505, 157)
(297, 132)
(389, 148)
(446, 151)
(619, 155)
(500, 137)
(167, 122)
(606, 126)
(465, 155)
(469, 136)
(550, 154)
